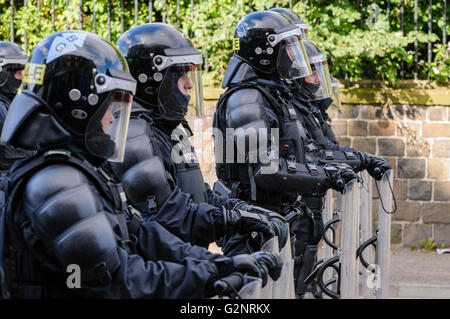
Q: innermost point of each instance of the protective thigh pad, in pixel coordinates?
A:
(144, 180)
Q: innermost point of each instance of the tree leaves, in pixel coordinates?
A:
(357, 50)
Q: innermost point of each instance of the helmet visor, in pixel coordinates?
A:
(292, 61)
(320, 78)
(181, 90)
(108, 139)
(335, 89)
(304, 29)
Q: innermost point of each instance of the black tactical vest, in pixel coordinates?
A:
(188, 174)
(18, 262)
(292, 138)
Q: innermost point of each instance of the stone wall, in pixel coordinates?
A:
(421, 164)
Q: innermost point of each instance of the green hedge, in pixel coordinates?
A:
(358, 48)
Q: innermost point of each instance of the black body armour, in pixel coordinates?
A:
(188, 175)
(8, 153)
(291, 140)
(24, 266)
(319, 146)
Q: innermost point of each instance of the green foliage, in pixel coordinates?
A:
(428, 244)
(358, 45)
(441, 65)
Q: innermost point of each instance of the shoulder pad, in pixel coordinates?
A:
(139, 147)
(88, 244)
(244, 107)
(145, 179)
(238, 71)
(57, 197)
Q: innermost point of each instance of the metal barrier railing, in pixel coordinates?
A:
(346, 270)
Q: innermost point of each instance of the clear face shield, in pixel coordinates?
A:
(108, 139)
(318, 85)
(181, 88)
(9, 66)
(335, 89)
(304, 30)
(292, 62)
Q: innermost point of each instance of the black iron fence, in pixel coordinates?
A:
(158, 11)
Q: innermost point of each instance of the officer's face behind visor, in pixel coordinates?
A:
(181, 86)
(320, 78)
(114, 125)
(292, 61)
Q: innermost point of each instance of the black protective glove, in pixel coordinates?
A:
(259, 264)
(277, 222)
(376, 165)
(273, 263)
(339, 175)
(243, 222)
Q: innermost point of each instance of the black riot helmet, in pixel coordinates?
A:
(12, 59)
(167, 68)
(76, 88)
(293, 18)
(316, 86)
(270, 43)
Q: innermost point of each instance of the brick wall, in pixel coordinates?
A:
(422, 177)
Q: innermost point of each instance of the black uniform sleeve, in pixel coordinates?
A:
(147, 184)
(157, 243)
(197, 223)
(72, 231)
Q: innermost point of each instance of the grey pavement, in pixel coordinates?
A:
(419, 274)
(416, 274)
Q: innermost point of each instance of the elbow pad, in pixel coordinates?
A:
(92, 246)
(306, 179)
(67, 215)
(145, 181)
(351, 158)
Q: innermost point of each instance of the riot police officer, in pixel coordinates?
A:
(312, 92)
(160, 174)
(63, 210)
(294, 18)
(268, 48)
(12, 63)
